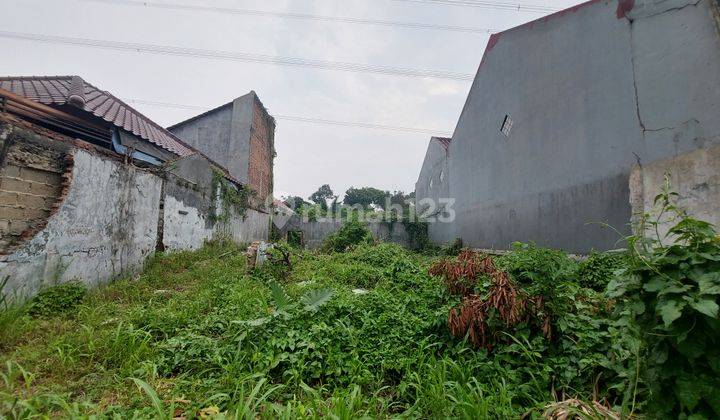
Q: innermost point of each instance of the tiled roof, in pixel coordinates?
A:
(444, 141)
(59, 90)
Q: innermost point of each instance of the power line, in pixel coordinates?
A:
(238, 56)
(489, 5)
(304, 119)
(304, 16)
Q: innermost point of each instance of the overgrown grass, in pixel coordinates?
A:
(176, 340)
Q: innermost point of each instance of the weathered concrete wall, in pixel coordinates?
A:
(104, 227)
(253, 226)
(591, 91)
(315, 232)
(695, 176)
(187, 206)
(191, 199)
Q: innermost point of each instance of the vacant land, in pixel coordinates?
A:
(363, 332)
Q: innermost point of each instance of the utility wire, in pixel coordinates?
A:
(303, 119)
(238, 56)
(489, 5)
(304, 16)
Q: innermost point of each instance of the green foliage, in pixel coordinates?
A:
(231, 197)
(57, 299)
(599, 268)
(669, 295)
(544, 272)
(366, 197)
(418, 233)
(352, 233)
(295, 202)
(322, 195)
(359, 333)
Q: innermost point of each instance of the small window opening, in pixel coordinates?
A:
(506, 126)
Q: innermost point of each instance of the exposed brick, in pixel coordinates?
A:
(31, 201)
(4, 227)
(11, 171)
(35, 214)
(12, 213)
(14, 185)
(37, 175)
(47, 190)
(17, 227)
(10, 199)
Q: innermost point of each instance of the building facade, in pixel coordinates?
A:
(562, 109)
(238, 135)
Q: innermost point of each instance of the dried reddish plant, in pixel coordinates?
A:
(510, 304)
(461, 275)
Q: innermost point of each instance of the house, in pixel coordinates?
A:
(564, 108)
(239, 136)
(90, 187)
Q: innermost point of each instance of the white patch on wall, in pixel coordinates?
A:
(184, 226)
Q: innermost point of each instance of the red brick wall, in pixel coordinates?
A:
(260, 167)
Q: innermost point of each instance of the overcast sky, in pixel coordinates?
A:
(308, 154)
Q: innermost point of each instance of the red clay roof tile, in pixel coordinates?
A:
(55, 90)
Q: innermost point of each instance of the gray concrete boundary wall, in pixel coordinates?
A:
(315, 232)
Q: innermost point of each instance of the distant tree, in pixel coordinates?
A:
(365, 197)
(295, 202)
(322, 195)
(399, 197)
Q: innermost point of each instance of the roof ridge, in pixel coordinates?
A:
(37, 77)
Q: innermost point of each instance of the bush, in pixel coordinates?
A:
(599, 268)
(57, 299)
(670, 295)
(351, 233)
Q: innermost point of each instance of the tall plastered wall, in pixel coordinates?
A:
(73, 212)
(591, 92)
(432, 189)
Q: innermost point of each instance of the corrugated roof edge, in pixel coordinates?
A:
(148, 120)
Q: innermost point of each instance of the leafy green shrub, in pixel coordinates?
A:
(57, 299)
(351, 233)
(669, 296)
(543, 272)
(599, 268)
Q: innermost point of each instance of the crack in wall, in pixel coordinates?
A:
(639, 14)
(632, 17)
